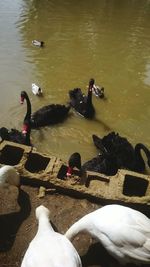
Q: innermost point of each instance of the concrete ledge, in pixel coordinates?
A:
(39, 169)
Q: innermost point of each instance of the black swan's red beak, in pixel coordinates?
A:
(25, 129)
(21, 100)
(69, 171)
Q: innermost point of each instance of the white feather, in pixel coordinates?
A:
(123, 231)
(49, 248)
(98, 91)
(36, 90)
(9, 176)
(38, 43)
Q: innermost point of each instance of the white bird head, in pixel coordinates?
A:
(42, 211)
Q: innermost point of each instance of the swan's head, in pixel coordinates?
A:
(23, 95)
(91, 82)
(74, 161)
(42, 211)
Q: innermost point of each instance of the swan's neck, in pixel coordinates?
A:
(138, 155)
(27, 138)
(28, 113)
(89, 96)
(44, 225)
(75, 229)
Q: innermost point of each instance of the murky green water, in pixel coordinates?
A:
(108, 40)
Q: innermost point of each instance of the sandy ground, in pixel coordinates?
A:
(17, 228)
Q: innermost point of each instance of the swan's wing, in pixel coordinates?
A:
(98, 143)
(77, 98)
(126, 245)
(49, 114)
(126, 234)
(16, 136)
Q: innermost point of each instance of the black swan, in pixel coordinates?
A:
(81, 103)
(127, 156)
(50, 114)
(16, 136)
(105, 163)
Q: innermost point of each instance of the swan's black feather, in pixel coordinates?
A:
(50, 114)
(47, 115)
(16, 136)
(81, 103)
(127, 156)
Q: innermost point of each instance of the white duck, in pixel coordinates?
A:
(97, 91)
(38, 43)
(49, 248)
(124, 232)
(9, 176)
(36, 90)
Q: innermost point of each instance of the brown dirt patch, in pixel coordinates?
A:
(17, 228)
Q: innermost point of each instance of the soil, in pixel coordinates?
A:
(19, 226)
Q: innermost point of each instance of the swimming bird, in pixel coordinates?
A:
(14, 135)
(36, 90)
(127, 156)
(49, 248)
(98, 91)
(81, 103)
(124, 232)
(9, 176)
(38, 43)
(47, 115)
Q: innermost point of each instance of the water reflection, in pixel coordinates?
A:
(107, 40)
(147, 73)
